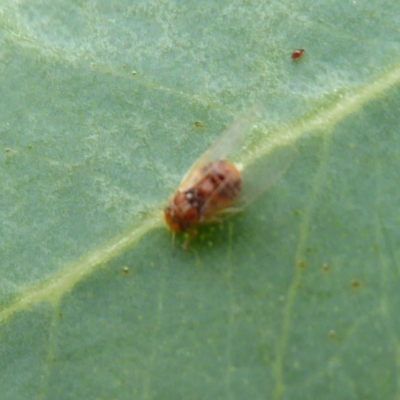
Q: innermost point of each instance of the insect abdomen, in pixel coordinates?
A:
(220, 187)
(217, 187)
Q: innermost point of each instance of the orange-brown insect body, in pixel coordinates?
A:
(216, 187)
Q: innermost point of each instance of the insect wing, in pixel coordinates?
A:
(257, 177)
(225, 146)
(263, 172)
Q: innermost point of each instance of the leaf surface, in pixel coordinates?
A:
(104, 107)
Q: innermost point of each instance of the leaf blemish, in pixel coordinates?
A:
(332, 334)
(326, 268)
(356, 284)
(125, 270)
(302, 265)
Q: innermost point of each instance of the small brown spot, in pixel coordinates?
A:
(134, 73)
(326, 268)
(198, 124)
(311, 250)
(125, 270)
(30, 147)
(297, 213)
(356, 284)
(60, 315)
(8, 150)
(332, 334)
(297, 54)
(302, 265)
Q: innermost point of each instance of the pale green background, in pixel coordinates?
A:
(297, 298)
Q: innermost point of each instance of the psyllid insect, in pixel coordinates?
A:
(215, 186)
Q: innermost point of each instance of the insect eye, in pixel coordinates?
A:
(192, 197)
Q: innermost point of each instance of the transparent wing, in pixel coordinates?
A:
(225, 146)
(257, 177)
(263, 172)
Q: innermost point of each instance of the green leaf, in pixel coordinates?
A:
(104, 107)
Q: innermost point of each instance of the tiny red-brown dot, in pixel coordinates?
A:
(298, 53)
